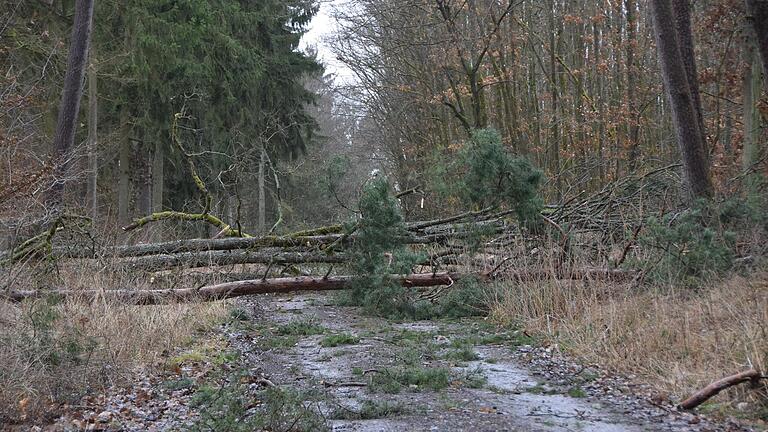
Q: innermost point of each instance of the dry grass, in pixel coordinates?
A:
(677, 339)
(54, 353)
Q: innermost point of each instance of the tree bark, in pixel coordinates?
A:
(144, 180)
(682, 10)
(751, 118)
(757, 15)
(291, 284)
(678, 89)
(153, 263)
(262, 210)
(555, 125)
(69, 108)
(634, 120)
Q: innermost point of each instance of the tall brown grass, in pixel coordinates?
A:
(678, 340)
(55, 352)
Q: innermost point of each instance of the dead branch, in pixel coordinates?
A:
(701, 396)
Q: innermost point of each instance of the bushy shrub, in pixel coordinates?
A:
(700, 241)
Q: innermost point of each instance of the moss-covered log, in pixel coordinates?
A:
(226, 229)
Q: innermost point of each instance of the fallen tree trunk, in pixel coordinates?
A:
(152, 263)
(194, 245)
(701, 396)
(230, 289)
(246, 245)
(225, 228)
(291, 284)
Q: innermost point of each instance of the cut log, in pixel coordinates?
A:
(701, 396)
(230, 289)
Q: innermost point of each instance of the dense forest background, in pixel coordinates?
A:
(573, 86)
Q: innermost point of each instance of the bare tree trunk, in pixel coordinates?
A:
(144, 173)
(555, 142)
(232, 289)
(123, 182)
(678, 89)
(69, 108)
(157, 176)
(634, 126)
(93, 161)
(682, 10)
(751, 117)
(262, 191)
(757, 14)
(599, 127)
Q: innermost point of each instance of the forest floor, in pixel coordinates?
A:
(285, 362)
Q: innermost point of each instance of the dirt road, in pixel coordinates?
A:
(324, 367)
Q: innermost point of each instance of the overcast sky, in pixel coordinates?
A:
(321, 26)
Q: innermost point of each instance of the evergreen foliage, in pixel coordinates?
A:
(701, 241)
(379, 252)
(485, 174)
(233, 65)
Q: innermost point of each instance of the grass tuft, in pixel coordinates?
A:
(301, 328)
(339, 339)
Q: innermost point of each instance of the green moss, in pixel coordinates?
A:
(281, 341)
(239, 314)
(464, 353)
(540, 388)
(193, 356)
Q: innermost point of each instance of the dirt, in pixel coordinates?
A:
(497, 380)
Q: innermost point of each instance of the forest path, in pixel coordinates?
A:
(279, 360)
(380, 380)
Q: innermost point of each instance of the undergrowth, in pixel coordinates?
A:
(56, 351)
(233, 407)
(703, 241)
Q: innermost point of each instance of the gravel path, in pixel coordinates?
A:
(492, 381)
